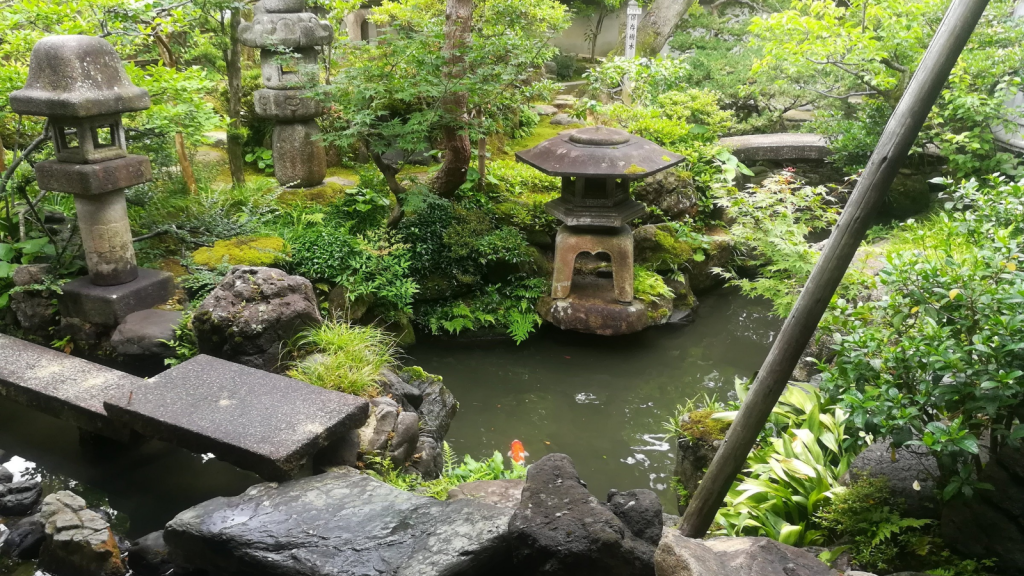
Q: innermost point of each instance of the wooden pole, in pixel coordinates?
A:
(882, 168)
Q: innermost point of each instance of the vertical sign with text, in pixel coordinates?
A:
(633, 12)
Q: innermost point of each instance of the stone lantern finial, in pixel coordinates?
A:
(80, 85)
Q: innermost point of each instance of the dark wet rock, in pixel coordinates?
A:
(390, 430)
(33, 309)
(343, 451)
(79, 541)
(19, 498)
(340, 524)
(765, 557)
(6, 476)
(592, 308)
(560, 528)
(406, 437)
(439, 405)
(912, 464)
(252, 312)
(670, 192)
(505, 493)
(147, 333)
(150, 556)
(640, 511)
(692, 460)
(25, 539)
(991, 523)
(428, 458)
(678, 555)
(393, 385)
(545, 109)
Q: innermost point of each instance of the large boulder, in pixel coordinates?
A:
(19, 498)
(390, 431)
(678, 555)
(991, 523)
(6, 476)
(252, 312)
(146, 333)
(671, 192)
(25, 539)
(910, 472)
(640, 511)
(658, 247)
(766, 557)
(340, 524)
(438, 406)
(150, 556)
(79, 541)
(560, 529)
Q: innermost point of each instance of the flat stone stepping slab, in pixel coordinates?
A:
(782, 146)
(258, 421)
(341, 524)
(62, 386)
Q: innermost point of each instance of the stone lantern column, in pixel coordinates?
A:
(287, 38)
(79, 84)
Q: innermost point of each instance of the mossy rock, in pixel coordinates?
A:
(908, 195)
(324, 194)
(244, 251)
(700, 425)
(656, 247)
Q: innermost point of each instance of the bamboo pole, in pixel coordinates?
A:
(894, 145)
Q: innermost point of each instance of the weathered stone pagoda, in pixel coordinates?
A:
(287, 37)
(80, 85)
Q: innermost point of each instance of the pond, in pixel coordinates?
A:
(601, 401)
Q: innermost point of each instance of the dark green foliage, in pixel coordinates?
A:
(867, 517)
(508, 306)
(565, 66)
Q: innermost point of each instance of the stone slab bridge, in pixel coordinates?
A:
(781, 146)
(258, 421)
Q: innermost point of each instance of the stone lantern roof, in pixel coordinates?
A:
(77, 77)
(599, 152)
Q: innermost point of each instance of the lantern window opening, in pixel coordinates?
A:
(65, 138)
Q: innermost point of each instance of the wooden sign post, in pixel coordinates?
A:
(633, 12)
(883, 166)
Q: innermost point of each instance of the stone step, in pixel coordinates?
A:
(63, 386)
(782, 146)
(258, 421)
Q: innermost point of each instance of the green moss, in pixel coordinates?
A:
(544, 130)
(649, 286)
(634, 169)
(700, 425)
(246, 251)
(322, 195)
(415, 374)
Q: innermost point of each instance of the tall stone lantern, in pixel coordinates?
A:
(597, 165)
(80, 85)
(287, 37)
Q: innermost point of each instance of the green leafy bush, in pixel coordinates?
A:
(343, 357)
(650, 77)
(938, 361)
(771, 222)
(793, 471)
(509, 307)
(649, 286)
(868, 517)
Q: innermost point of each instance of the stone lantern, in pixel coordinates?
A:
(287, 37)
(79, 84)
(597, 165)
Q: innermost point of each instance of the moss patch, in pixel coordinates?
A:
(323, 194)
(247, 251)
(701, 426)
(544, 130)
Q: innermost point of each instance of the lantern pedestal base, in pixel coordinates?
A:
(593, 309)
(616, 242)
(109, 305)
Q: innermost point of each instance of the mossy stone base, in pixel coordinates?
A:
(591, 308)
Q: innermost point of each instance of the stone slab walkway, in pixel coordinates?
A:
(64, 386)
(256, 420)
(783, 146)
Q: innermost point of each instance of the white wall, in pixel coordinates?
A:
(572, 39)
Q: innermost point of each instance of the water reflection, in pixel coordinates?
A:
(602, 401)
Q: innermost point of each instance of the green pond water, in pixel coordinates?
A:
(602, 401)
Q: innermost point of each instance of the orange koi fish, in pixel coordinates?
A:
(518, 453)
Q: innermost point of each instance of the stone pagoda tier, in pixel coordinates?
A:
(287, 37)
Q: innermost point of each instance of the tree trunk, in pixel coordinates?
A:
(656, 27)
(391, 177)
(3, 159)
(481, 160)
(458, 23)
(897, 139)
(233, 60)
(179, 139)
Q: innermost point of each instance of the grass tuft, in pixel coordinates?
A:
(342, 357)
